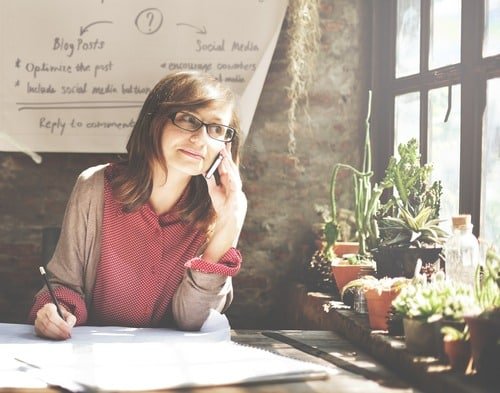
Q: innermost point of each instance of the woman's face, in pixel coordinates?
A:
(191, 153)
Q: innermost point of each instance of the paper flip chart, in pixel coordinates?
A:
(74, 74)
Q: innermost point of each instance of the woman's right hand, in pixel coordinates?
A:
(49, 324)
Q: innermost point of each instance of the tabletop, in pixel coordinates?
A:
(349, 370)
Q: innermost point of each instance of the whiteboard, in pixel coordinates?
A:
(74, 74)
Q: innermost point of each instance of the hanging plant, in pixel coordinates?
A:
(304, 35)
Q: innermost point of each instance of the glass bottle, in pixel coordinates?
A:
(359, 304)
(462, 251)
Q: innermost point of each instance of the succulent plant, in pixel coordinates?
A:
(410, 217)
(408, 230)
(435, 299)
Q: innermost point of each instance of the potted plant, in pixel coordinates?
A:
(349, 267)
(365, 204)
(457, 347)
(408, 223)
(366, 198)
(484, 324)
(424, 305)
(379, 294)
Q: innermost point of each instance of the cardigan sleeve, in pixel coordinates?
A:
(205, 286)
(67, 270)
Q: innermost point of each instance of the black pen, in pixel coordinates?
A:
(54, 299)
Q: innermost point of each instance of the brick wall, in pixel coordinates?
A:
(277, 239)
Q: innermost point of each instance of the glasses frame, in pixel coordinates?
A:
(202, 123)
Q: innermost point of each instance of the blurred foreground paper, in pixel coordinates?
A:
(128, 359)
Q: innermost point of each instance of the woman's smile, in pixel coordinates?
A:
(192, 153)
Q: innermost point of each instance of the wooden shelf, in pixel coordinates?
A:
(320, 311)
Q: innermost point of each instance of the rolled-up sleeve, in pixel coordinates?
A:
(73, 302)
(228, 265)
(206, 285)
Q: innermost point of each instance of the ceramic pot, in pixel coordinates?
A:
(401, 261)
(485, 345)
(458, 353)
(379, 305)
(423, 338)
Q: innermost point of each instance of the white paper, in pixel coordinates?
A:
(116, 358)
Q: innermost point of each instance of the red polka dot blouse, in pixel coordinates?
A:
(143, 260)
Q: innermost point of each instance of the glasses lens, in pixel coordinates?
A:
(187, 121)
(220, 132)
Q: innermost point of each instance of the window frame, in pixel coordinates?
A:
(471, 73)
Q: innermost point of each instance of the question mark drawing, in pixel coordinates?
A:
(149, 20)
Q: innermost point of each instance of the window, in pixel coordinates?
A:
(436, 77)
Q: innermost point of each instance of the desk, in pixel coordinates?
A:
(375, 379)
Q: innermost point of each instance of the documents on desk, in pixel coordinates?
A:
(121, 358)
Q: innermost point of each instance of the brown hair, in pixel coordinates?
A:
(133, 182)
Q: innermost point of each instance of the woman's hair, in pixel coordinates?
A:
(133, 181)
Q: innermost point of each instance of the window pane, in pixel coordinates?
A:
(490, 177)
(408, 38)
(491, 44)
(444, 146)
(406, 118)
(445, 33)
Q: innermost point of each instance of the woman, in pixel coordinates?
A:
(150, 241)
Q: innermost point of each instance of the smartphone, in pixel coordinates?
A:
(213, 168)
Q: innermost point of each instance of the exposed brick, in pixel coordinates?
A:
(276, 237)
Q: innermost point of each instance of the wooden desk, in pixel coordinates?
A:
(370, 376)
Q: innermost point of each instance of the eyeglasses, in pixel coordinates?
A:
(189, 122)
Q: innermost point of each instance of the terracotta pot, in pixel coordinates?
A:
(379, 305)
(344, 274)
(485, 345)
(422, 337)
(341, 248)
(458, 353)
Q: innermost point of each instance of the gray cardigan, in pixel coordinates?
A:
(78, 251)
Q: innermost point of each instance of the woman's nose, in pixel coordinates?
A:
(200, 132)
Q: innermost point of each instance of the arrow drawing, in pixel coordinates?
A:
(199, 31)
(83, 30)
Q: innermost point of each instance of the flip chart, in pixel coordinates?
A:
(74, 74)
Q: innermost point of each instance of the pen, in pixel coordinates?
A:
(54, 299)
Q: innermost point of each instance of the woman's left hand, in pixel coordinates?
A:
(229, 202)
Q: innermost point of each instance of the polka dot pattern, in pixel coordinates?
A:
(143, 260)
(67, 298)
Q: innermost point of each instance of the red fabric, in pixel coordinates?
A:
(67, 298)
(143, 260)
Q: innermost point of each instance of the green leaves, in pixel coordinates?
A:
(409, 230)
(410, 216)
(379, 284)
(331, 232)
(453, 334)
(487, 284)
(435, 299)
